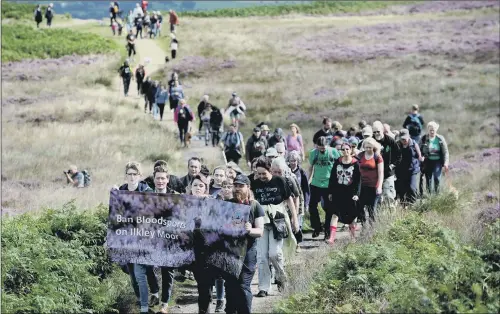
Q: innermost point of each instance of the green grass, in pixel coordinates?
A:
(19, 11)
(316, 8)
(414, 266)
(22, 11)
(23, 42)
(56, 262)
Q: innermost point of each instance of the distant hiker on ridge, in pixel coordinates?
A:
(38, 15)
(49, 14)
(126, 74)
(174, 20)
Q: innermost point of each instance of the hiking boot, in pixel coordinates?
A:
(261, 294)
(220, 306)
(154, 300)
(315, 234)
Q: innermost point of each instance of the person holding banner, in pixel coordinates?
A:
(133, 174)
(239, 293)
(273, 193)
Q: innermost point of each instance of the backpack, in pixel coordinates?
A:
(316, 156)
(232, 144)
(415, 126)
(86, 178)
(360, 155)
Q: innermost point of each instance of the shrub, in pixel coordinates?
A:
(57, 263)
(23, 42)
(415, 266)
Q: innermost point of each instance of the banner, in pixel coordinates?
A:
(176, 230)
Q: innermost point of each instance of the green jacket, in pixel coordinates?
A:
(444, 154)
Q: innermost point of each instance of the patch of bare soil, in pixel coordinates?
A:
(452, 38)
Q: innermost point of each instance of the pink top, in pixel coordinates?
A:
(294, 143)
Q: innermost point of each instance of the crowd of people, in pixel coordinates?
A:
(350, 174)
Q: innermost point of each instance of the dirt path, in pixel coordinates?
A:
(186, 300)
(149, 48)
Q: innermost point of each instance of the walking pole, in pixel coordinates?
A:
(224, 156)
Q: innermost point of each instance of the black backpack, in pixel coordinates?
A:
(415, 126)
(86, 178)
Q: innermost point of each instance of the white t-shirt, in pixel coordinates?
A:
(173, 45)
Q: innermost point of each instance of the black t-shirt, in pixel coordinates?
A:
(275, 191)
(328, 134)
(256, 211)
(125, 71)
(130, 37)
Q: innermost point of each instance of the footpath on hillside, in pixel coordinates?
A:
(149, 48)
(186, 293)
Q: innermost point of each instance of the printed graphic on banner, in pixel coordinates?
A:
(175, 230)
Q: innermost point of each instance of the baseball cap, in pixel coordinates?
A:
(367, 130)
(264, 128)
(404, 134)
(271, 152)
(256, 129)
(233, 94)
(241, 179)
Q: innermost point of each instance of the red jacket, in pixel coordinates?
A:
(174, 19)
(144, 5)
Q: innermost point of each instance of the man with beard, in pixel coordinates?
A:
(326, 131)
(391, 154)
(238, 290)
(256, 146)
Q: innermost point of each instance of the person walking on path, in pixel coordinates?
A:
(174, 45)
(174, 21)
(176, 94)
(414, 123)
(216, 125)
(201, 108)
(126, 74)
(256, 146)
(321, 160)
(371, 167)
(38, 15)
(239, 292)
(140, 75)
(273, 193)
(391, 154)
(161, 99)
(153, 89)
(407, 172)
(49, 14)
(233, 144)
(131, 44)
(344, 187)
(294, 141)
(436, 156)
(183, 116)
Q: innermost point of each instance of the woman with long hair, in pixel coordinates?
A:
(436, 156)
(294, 141)
(344, 187)
(371, 167)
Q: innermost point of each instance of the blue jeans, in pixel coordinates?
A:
(432, 169)
(219, 289)
(140, 272)
(238, 290)
(156, 110)
(151, 278)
